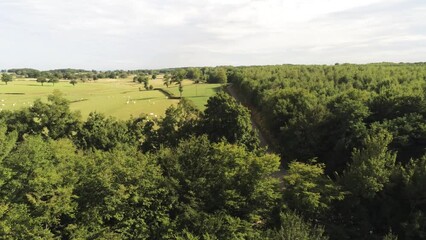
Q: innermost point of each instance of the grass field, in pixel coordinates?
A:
(120, 98)
(198, 93)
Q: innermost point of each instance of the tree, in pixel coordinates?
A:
(41, 184)
(194, 74)
(122, 194)
(142, 79)
(53, 119)
(73, 82)
(180, 89)
(177, 78)
(41, 80)
(225, 118)
(293, 227)
(308, 190)
(167, 80)
(6, 78)
(145, 81)
(218, 75)
(220, 178)
(371, 166)
(122, 75)
(101, 132)
(53, 80)
(179, 123)
(7, 141)
(412, 194)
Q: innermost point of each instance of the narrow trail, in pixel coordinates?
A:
(262, 139)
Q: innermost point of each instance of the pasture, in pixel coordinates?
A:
(120, 98)
(197, 93)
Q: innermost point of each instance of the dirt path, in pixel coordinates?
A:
(262, 139)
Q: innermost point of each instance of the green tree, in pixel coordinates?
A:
(142, 79)
(40, 180)
(218, 75)
(53, 80)
(17, 223)
(308, 190)
(224, 118)
(180, 88)
(101, 132)
(41, 80)
(293, 227)
(73, 82)
(145, 81)
(122, 195)
(177, 77)
(167, 80)
(220, 178)
(6, 78)
(7, 141)
(371, 166)
(194, 74)
(53, 119)
(179, 123)
(411, 193)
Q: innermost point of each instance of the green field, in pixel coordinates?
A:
(198, 93)
(120, 98)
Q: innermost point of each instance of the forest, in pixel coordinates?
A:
(351, 138)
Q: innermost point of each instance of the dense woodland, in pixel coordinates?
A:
(365, 124)
(351, 137)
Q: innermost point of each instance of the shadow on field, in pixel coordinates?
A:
(38, 85)
(146, 98)
(13, 93)
(200, 96)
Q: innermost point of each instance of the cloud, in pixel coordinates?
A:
(107, 34)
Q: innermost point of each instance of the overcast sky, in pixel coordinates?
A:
(135, 34)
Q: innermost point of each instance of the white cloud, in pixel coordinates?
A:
(164, 33)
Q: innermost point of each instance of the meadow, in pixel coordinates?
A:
(120, 98)
(197, 93)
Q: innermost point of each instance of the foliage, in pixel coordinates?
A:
(200, 175)
(73, 82)
(53, 119)
(293, 227)
(6, 78)
(371, 166)
(224, 118)
(224, 178)
(218, 75)
(309, 190)
(100, 132)
(41, 80)
(167, 80)
(53, 80)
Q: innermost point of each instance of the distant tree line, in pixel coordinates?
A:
(204, 74)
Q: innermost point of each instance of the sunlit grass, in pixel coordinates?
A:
(120, 98)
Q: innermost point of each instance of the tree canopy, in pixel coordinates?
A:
(351, 140)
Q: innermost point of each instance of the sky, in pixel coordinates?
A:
(147, 34)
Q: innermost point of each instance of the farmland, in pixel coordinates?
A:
(120, 98)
